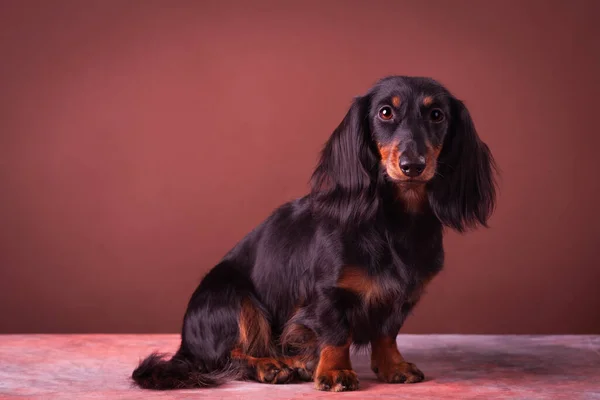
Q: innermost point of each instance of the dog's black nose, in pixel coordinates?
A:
(412, 166)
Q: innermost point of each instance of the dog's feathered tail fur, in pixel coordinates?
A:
(158, 372)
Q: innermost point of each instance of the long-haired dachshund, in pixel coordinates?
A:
(345, 264)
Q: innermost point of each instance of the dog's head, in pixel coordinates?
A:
(413, 134)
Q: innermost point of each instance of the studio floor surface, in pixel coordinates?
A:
(456, 367)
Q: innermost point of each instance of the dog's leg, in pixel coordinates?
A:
(389, 365)
(300, 348)
(334, 371)
(255, 353)
(386, 360)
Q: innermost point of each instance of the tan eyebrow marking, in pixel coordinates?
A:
(427, 101)
(396, 101)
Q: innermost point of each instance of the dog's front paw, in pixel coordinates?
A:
(337, 380)
(404, 372)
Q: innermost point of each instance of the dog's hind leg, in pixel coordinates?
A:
(300, 348)
(227, 321)
(254, 351)
(211, 329)
(226, 335)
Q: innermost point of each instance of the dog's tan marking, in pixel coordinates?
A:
(430, 161)
(427, 101)
(390, 159)
(334, 371)
(357, 280)
(389, 365)
(396, 101)
(413, 197)
(254, 330)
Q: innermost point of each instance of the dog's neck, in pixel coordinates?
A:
(413, 198)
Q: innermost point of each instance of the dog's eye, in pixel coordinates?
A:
(386, 113)
(436, 115)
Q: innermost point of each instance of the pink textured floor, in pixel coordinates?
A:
(456, 367)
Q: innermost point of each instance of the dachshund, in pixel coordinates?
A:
(345, 264)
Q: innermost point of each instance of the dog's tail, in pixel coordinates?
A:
(158, 373)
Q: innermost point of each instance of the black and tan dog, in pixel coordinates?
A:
(346, 263)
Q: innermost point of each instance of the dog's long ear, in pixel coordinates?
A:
(463, 193)
(347, 159)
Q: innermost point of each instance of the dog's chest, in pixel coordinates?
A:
(416, 252)
(402, 268)
(418, 248)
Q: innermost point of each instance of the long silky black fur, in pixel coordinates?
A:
(351, 216)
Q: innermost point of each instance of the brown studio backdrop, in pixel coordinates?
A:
(140, 140)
